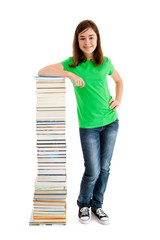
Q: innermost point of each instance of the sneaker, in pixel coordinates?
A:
(84, 215)
(101, 216)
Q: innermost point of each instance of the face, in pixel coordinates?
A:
(87, 42)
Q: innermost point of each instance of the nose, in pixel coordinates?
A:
(87, 41)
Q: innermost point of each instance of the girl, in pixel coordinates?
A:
(97, 115)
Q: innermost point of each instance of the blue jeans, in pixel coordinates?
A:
(97, 147)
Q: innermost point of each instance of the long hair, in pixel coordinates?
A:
(78, 55)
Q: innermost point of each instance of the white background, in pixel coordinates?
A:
(38, 33)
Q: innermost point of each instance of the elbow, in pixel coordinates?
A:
(40, 72)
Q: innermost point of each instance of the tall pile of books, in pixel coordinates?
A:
(49, 202)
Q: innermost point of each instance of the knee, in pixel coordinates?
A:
(105, 170)
(91, 177)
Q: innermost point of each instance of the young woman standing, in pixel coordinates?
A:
(97, 115)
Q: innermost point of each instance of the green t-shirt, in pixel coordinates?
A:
(92, 99)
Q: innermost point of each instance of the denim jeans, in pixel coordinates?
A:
(97, 147)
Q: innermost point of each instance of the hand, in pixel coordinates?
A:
(78, 81)
(114, 104)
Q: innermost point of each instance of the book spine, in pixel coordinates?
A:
(49, 201)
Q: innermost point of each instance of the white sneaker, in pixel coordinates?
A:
(101, 216)
(84, 215)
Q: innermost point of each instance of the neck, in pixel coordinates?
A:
(89, 57)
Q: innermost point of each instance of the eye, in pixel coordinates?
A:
(84, 38)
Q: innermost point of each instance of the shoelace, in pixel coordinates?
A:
(100, 212)
(84, 210)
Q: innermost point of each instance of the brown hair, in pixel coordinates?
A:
(78, 55)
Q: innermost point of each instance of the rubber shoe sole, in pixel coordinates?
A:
(104, 222)
(84, 221)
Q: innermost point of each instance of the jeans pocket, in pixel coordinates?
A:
(117, 120)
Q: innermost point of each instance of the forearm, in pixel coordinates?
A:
(119, 91)
(50, 71)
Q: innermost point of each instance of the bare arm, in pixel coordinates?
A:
(57, 69)
(53, 70)
(119, 90)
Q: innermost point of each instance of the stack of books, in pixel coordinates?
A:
(49, 202)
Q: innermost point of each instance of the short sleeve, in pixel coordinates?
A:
(110, 67)
(66, 62)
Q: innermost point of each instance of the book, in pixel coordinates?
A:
(50, 186)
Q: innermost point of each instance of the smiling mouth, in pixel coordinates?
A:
(87, 47)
